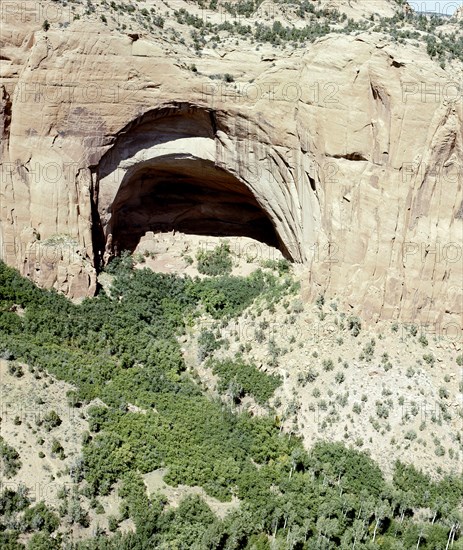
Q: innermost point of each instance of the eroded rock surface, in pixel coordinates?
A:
(345, 154)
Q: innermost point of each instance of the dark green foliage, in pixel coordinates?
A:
(13, 501)
(230, 296)
(51, 420)
(15, 510)
(354, 325)
(282, 266)
(355, 469)
(40, 518)
(9, 541)
(15, 370)
(10, 462)
(215, 262)
(248, 377)
(123, 349)
(43, 541)
(207, 344)
(424, 491)
(57, 449)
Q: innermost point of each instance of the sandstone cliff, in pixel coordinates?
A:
(349, 149)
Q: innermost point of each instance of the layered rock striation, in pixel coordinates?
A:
(347, 155)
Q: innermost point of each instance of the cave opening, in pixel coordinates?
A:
(190, 195)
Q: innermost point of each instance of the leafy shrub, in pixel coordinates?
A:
(15, 369)
(207, 344)
(248, 377)
(328, 364)
(354, 325)
(282, 266)
(40, 518)
(9, 459)
(429, 359)
(444, 393)
(215, 262)
(423, 340)
(57, 449)
(382, 411)
(51, 420)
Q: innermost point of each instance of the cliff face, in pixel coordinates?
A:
(347, 155)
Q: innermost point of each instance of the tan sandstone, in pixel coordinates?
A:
(352, 147)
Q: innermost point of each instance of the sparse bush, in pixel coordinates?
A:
(439, 450)
(57, 449)
(429, 359)
(444, 393)
(320, 301)
(410, 372)
(113, 523)
(382, 410)
(282, 266)
(423, 340)
(354, 325)
(15, 369)
(327, 365)
(51, 420)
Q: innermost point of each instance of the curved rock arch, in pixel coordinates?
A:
(176, 164)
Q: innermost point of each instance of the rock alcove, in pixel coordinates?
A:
(164, 173)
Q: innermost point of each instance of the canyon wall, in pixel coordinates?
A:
(351, 148)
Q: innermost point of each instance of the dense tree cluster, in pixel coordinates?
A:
(123, 349)
(238, 379)
(9, 460)
(18, 516)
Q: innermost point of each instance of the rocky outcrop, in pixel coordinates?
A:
(347, 155)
